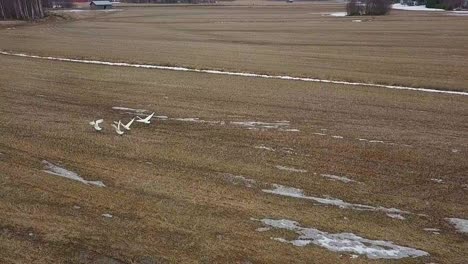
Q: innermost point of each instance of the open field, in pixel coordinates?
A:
(192, 186)
(406, 48)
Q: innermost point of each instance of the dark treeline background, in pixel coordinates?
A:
(168, 1)
(34, 9)
(29, 9)
(21, 9)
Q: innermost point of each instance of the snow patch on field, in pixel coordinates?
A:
(265, 148)
(255, 125)
(196, 120)
(435, 231)
(279, 167)
(337, 14)
(290, 130)
(460, 224)
(415, 8)
(459, 13)
(62, 172)
(242, 74)
(87, 10)
(319, 134)
(342, 242)
(396, 216)
(239, 180)
(337, 178)
(129, 109)
(432, 229)
(299, 193)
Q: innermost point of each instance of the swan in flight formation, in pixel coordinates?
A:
(117, 128)
(96, 123)
(127, 126)
(145, 120)
(118, 125)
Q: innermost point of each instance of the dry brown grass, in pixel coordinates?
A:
(406, 48)
(165, 187)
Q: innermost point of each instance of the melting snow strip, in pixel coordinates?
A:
(299, 193)
(342, 242)
(280, 125)
(62, 172)
(460, 224)
(239, 180)
(396, 216)
(337, 178)
(415, 8)
(435, 231)
(265, 148)
(242, 74)
(290, 169)
(432, 229)
(197, 120)
(129, 109)
(319, 134)
(336, 14)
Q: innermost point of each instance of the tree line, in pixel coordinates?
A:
(21, 9)
(168, 1)
(29, 9)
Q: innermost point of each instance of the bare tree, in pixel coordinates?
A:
(354, 8)
(169, 1)
(378, 7)
(368, 7)
(21, 9)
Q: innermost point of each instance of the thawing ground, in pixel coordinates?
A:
(232, 168)
(243, 74)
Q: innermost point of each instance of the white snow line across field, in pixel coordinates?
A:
(241, 74)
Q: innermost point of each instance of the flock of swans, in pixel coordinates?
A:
(96, 124)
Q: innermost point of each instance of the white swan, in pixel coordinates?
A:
(117, 129)
(96, 123)
(127, 126)
(145, 120)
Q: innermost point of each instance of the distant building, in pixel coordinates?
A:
(100, 5)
